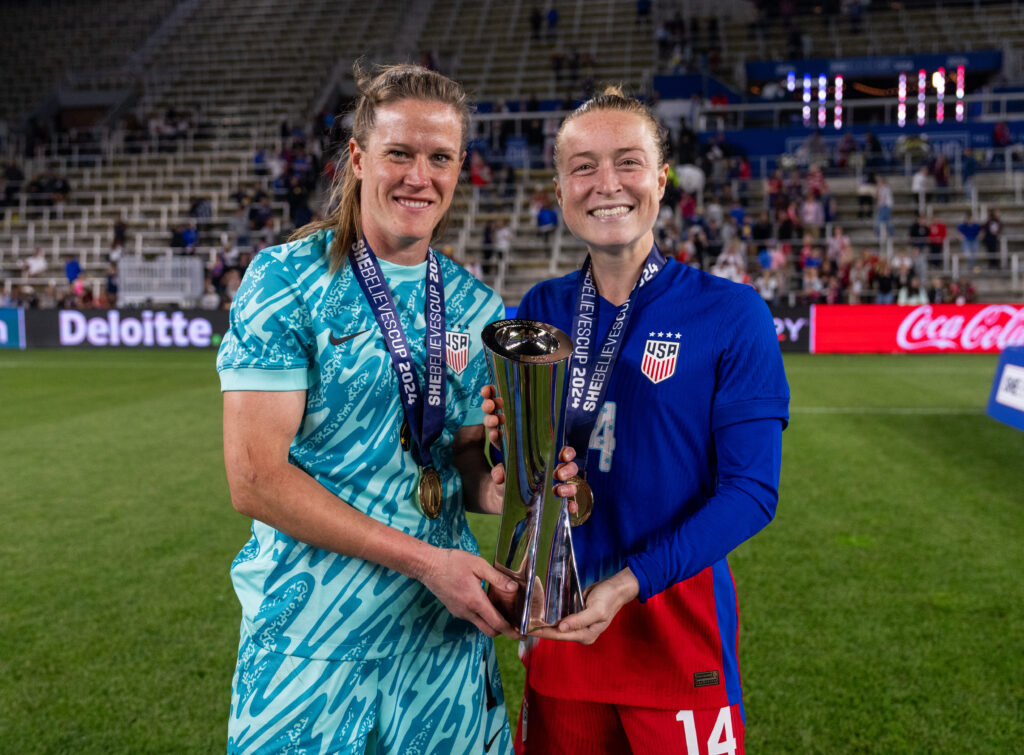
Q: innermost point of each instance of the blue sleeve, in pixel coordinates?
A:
(750, 380)
(749, 459)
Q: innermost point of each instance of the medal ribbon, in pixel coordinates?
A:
(424, 413)
(589, 372)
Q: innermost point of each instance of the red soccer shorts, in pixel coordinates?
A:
(549, 726)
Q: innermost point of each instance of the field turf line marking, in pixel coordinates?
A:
(885, 410)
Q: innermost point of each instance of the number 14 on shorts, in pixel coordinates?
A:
(721, 740)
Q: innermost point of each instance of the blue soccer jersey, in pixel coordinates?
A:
(698, 392)
(297, 326)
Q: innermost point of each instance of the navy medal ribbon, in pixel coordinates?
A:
(424, 411)
(590, 369)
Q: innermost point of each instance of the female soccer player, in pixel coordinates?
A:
(352, 437)
(675, 409)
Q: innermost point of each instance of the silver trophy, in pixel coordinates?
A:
(528, 360)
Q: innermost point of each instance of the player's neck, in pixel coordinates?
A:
(616, 272)
(397, 250)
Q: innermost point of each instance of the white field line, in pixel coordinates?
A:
(937, 410)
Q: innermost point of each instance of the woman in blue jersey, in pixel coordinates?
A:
(352, 436)
(681, 449)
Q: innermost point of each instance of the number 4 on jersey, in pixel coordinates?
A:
(602, 438)
(721, 742)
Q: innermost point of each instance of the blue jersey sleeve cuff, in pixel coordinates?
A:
(639, 568)
(253, 379)
(744, 411)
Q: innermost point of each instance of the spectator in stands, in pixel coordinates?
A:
(480, 176)
(1004, 143)
(552, 18)
(120, 231)
(813, 287)
(190, 237)
(767, 284)
(72, 268)
(940, 177)
(260, 215)
(919, 186)
(913, 293)
(503, 240)
(200, 208)
(810, 252)
(210, 299)
(963, 292)
(177, 240)
(35, 265)
(547, 222)
(812, 215)
(990, 237)
(936, 241)
(857, 286)
(838, 244)
(938, 291)
(816, 183)
(919, 232)
(536, 21)
(885, 282)
(762, 232)
(883, 208)
(867, 192)
(239, 227)
(970, 232)
(774, 188)
(111, 285)
(847, 149)
(299, 210)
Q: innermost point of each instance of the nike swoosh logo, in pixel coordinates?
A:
(487, 746)
(339, 341)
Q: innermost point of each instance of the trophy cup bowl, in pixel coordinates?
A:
(528, 360)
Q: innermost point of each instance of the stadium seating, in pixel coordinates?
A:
(237, 75)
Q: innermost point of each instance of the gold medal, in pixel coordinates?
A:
(428, 493)
(584, 500)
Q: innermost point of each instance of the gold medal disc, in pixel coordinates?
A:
(428, 493)
(584, 500)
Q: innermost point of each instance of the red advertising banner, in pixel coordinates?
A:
(926, 329)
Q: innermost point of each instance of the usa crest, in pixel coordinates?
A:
(660, 357)
(457, 350)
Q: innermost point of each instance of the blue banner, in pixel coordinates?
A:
(1006, 403)
(12, 328)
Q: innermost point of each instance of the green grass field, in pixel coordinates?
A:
(881, 612)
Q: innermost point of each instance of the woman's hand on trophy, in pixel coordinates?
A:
(564, 471)
(454, 576)
(603, 600)
(493, 408)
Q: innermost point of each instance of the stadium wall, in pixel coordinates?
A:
(815, 329)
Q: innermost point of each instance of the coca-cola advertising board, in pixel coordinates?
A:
(925, 329)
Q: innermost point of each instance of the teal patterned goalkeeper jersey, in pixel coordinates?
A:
(295, 326)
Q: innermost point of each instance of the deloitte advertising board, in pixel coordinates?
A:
(120, 328)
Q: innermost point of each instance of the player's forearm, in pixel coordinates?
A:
(742, 505)
(289, 500)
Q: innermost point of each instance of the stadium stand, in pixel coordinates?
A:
(169, 115)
